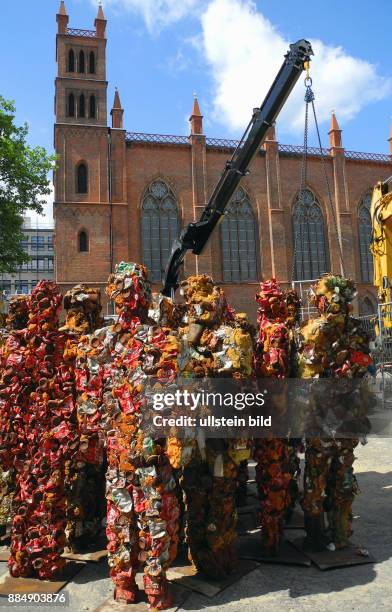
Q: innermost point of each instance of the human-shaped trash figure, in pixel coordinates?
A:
(332, 346)
(118, 366)
(273, 454)
(216, 343)
(85, 477)
(16, 320)
(43, 437)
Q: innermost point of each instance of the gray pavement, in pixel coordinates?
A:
(270, 587)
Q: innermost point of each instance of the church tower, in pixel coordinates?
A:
(83, 203)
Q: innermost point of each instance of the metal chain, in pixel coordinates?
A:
(298, 232)
(338, 238)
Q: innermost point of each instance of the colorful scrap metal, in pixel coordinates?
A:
(16, 320)
(39, 405)
(115, 366)
(85, 477)
(215, 343)
(274, 471)
(332, 346)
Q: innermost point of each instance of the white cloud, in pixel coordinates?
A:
(156, 13)
(46, 219)
(245, 52)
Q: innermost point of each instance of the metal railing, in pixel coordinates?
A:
(299, 150)
(308, 310)
(226, 143)
(377, 157)
(157, 138)
(369, 323)
(222, 143)
(384, 344)
(82, 33)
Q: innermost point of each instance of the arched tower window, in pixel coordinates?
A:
(82, 64)
(93, 107)
(82, 178)
(71, 61)
(311, 255)
(238, 236)
(159, 227)
(71, 105)
(91, 66)
(83, 241)
(82, 106)
(365, 236)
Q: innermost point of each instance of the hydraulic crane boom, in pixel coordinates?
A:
(196, 234)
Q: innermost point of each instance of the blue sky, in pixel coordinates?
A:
(161, 51)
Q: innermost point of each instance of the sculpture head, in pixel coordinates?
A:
(83, 307)
(270, 299)
(206, 301)
(293, 306)
(18, 312)
(130, 290)
(45, 304)
(332, 295)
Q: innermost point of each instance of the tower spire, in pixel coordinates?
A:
(100, 11)
(100, 22)
(117, 112)
(335, 133)
(196, 118)
(62, 19)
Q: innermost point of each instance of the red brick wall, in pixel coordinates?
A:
(191, 171)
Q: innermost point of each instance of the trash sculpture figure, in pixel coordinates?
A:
(115, 365)
(216, 342)
(332, 346)
(273, 455)
(38, 401)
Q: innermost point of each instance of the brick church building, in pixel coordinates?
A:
(123, 195)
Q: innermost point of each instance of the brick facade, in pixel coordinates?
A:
(121, 166)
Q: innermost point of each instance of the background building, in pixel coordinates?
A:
(38, 243)
(124, 195)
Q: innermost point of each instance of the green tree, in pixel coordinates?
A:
(24, 184)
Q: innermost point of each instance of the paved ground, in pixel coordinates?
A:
(272, 588)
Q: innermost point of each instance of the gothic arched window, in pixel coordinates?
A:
(159, 227)
(91, 66)
(71, 105)
(238, 236)
(311, 255)
(365, 236)
(82, 106)
(71, 61)
(82, 65)
(82, 178)
(93, 107)
(83, 241)
(367, 307)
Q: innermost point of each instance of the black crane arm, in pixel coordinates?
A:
(196, 234)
